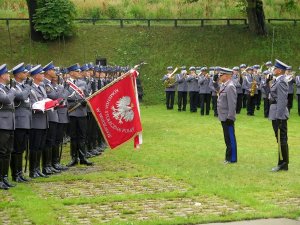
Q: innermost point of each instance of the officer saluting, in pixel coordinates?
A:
(279, 114)
(227, 112)
(7, 126)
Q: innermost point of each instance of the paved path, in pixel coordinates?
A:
(261, 222)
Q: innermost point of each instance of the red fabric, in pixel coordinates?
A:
(116, 110)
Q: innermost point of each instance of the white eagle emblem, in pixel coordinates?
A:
(124, 110)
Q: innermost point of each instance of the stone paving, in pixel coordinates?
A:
(121, 186)
(151, 209)
(5, 217)
(5, 196)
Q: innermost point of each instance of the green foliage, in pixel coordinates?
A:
(54, 18)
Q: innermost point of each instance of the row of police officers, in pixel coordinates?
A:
(38, 106)
(197, 84)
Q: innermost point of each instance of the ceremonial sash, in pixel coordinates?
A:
(75, 88)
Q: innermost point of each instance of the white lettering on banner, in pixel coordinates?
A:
(103, 123)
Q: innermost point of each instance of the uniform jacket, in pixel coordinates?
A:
(238, 84)
(53, 94)
(39, 119)
(278, 94)
(62, 111)
(214, 87)
(192, 82)
(23, 113)
(7, 114)
(298, 84)
(247, 83)
(172, 88)
(291, 86)
(181, 83)
(203, 83)
(74, 98)
(227, 101)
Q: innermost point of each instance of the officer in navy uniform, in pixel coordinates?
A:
(204, 91)
(291, 83)
(38, 132)
(193, 89)
(297, 79)
(227, 112)
(52, 93)
(238, 81)
(279, 114)
(23, 118)
(7, 126)
(78, 120)
(182, 89)
(169, 89)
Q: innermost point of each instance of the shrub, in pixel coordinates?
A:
(54, 18)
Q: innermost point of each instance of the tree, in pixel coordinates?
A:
(50, 19)
(32, 6)
(256, 17)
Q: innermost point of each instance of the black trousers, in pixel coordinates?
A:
(20, 140)
(214, 103)
(6, 143)
(37, 140)
(250, 104)
(205, 103)
(258, 99)
(266, 107)
(91, 131)
(230, 141)
(78, 127)
(182, 100)
(244, 100)
(170, 95)
(298, 96)
(51, 135)
(193, 100)
(290, 101)
(283, 155)
(60, 133)
(239, 103)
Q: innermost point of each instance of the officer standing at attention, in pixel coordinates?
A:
(193, 89)
(23, 116)
(182, 89)
(227, 112)
(169, 81)
(298, 91)
(279, 113)
(204, 91)
(7, 126)
(78, 121)
(38, 132)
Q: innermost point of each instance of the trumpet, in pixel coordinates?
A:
(291, 76)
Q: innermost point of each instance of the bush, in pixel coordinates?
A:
(54, 18)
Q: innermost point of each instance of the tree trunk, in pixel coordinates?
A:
(32, 6)
(256, 17)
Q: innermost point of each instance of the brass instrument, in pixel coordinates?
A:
(253, 87)
(171, 79)
(290, 76)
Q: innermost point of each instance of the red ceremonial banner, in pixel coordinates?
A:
(116, 111)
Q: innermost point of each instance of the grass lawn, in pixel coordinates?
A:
(177, 177)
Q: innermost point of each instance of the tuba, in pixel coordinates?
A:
(253, 88)
(171, 80)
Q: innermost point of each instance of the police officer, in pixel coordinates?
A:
(193, 89)
(279, 114)
(264, 94)
(78, 122)
(247, 85)
(297, 79)
(7, 126)
(182, 89)
(169, 81)
(52, 93)
(38, 131)
(257, 76)
(227, 112)
(204, 91)
(23, 116)
(238, 81)
(243, 73)
(214, 90)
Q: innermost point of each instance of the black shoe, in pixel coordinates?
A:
(57, 166)
(6, 182)
(54, 170)
(73, 162)
(33, 174)
(24, 178)
(283, 166)
(3, 186)
(18, 179)
(89, 155)
(41, 174)
(86, 162)
(47, 171)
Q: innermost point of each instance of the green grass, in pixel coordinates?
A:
(185, 148)
(158, 46)
(163, 9)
